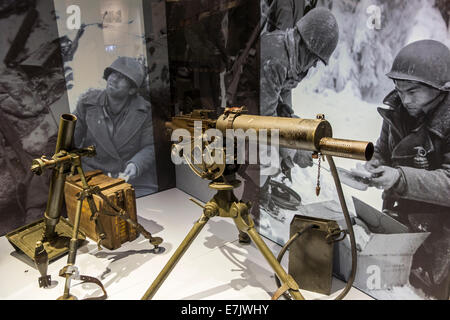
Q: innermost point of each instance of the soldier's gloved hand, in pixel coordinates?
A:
(303, 159)
(284, 110)
(385, 177)
(130, 172)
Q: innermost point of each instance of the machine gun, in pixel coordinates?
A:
(304, 134)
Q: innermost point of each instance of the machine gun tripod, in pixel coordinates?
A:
(225, 204)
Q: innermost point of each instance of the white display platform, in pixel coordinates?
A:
(216, 267)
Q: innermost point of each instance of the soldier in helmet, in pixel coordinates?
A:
(118, 122)
(288, 55)
(284, 14)
(412, 157)
(286, 59)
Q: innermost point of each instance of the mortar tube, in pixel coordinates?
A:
(56, 190)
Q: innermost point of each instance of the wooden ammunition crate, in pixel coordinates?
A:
(117, 191)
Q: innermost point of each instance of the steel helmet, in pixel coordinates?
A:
(320, 31)
(426, 61)
(129, 67)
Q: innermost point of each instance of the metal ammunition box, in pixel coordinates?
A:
(122, 194)
(311, 255)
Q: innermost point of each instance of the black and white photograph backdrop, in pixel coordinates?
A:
(32, 99)
(110, 68)
(379, 72)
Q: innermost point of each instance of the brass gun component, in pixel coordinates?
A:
(294, 133)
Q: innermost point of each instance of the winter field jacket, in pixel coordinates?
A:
(132, 141)
(419, 190)
(280, 69)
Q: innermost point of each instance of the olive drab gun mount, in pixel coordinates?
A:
(58, 240)
(306, 134)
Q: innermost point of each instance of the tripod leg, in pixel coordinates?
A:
(66, 271)
(184, 246)
(281, 273)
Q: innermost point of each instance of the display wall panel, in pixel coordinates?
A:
(349, 90)
(32, 99)
(104, 38)
(206, 38)
(156, 37)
